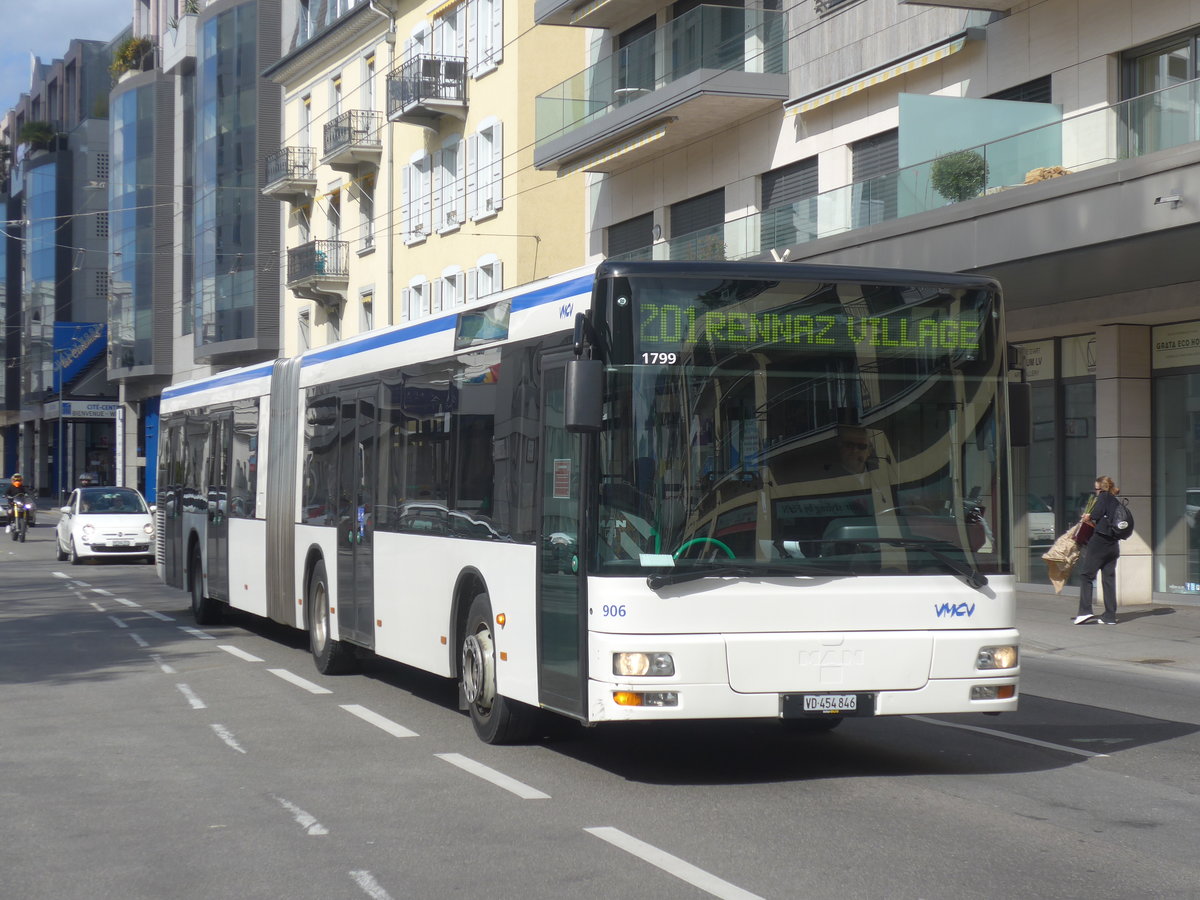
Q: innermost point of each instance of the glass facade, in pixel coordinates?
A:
(131, 312)
(1176, 474)
(40, 281)
(225, 169)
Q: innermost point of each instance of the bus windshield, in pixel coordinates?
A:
(776, 427)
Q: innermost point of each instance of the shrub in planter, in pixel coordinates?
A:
(960, 175)
(37, 134)
(130, 56)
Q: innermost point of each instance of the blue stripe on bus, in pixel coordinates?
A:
(223, 380)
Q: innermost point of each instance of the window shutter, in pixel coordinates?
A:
(460, 34)
(789, 183)
(460, 183)
(473, 43)
(472, 285)
(406, 303)
(426, 195)
(698, 213)
(496, 51)
(497, 276)
(439, 190)
(406, 204)
(497, 167)
(435, 301)
(472, 176)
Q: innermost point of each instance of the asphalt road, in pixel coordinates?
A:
(142, 757)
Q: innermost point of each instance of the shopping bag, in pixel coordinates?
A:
(1062, 556)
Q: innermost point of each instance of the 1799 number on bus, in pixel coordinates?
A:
(794, 706)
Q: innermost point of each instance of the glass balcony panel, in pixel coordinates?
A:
(707, 37)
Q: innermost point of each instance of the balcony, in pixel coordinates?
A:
(711, 67)
(353, 139)
(426, 87)
(1085, 181)
(320, 270)
(290, 174)
(588, 13)
(986, 5)
(177, 49)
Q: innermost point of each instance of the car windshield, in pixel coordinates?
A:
(111, 501)
(755, 452)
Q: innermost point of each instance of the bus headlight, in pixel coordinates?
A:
(627, 664)
(997, 657)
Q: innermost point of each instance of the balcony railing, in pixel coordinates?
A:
(353, 137)
(427, 85)
(318, 261)
(707, 37)
(290, 171)
(1152, 122)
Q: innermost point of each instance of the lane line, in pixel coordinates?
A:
(195, 701)
(300, 682)
(195, 632)
(240, 654)
(96, 606)
(117, 622)
(369, 885)
(393, 728)
(524, 791)
(60, 574)
(225, 735)
(128, 602)
(99, 590)
(672, 865)
(162, 617)
(138, 639)
(79, 583)
(1087, 754)
(166, 667)
(306, 821)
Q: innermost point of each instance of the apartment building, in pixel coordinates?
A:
(59, 412)
(1050, 143)
(404, 175)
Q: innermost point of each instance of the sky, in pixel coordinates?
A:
(45, 28)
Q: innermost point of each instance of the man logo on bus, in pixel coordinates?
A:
(566, 310)
(951, 609)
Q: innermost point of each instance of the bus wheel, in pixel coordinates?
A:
(204, 609)
(497, 719)
(331, 657)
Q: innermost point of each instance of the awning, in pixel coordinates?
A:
(582, 12)
(442, 8)
(640, 140)
(877, 77)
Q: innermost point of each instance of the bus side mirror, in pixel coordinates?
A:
(1020, 413)
(584, 395)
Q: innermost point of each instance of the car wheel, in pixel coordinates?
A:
(330, 657)
(496, 719)
(73, 554)
(59, 552)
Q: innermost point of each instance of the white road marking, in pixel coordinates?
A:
(392, 728)
(162, 617)
(117, 622)
(128, 602)
(672, 865)
(300, 682)
(60, 574)
(240, 654)
(99, 590)
(96, 606)
(370, 886)
(224, 734)
(162, 665)
(524, 791)
(138, 639)
(1003, 735)
(79, 583)
(195, 632)
(195, 701)
(303, 819)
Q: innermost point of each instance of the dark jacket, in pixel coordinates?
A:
(1102, 513)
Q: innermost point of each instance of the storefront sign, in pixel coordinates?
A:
(83, 409)
(1079, 356)
(1175, 345)
(1037, 360)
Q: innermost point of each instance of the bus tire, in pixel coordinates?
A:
(330, 657)
(205, 610)
(496, 719)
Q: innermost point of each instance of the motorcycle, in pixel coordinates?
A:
(19, 525)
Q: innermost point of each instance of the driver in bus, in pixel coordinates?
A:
(854, 449)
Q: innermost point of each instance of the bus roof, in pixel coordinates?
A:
(790, 270)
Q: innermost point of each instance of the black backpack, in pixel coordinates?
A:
(1120, 521)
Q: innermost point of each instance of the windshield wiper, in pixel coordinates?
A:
(973, 576)
(654, 582)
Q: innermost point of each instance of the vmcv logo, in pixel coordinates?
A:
(951, 609)
(566, 310)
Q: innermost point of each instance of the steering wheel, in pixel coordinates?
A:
(705, 540)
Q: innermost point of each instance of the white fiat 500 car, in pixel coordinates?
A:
(112, 522)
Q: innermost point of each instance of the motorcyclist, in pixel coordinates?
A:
(16, 488)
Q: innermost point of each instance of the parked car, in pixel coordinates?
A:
(99, 522)
(1040, 519)
(6, 507)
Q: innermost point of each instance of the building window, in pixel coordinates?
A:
(789, 211)
(485, 170)
(304, 330)
(333, 324)
(485, 36)
(369, 82)
(449, 185)
(452, 289)
(486, 278)
(874, 195)
(415, 298)
(631, 236)
(1036, 91)
(701, 221)
(1168, 120)
(335, 96)
(367, 306)
(417, 199)
(335, 215)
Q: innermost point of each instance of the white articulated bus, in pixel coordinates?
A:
(648, 491)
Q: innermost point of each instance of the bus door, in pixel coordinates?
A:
(358, 433)
(562, 644)
(169, 504)
(220, 435)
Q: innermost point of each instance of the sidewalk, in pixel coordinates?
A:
(1155, 636)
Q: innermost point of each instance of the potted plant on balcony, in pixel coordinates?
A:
(960, 175)
(131, 55)
(38, 135)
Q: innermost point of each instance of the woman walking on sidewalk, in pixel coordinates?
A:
(1101, 555)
